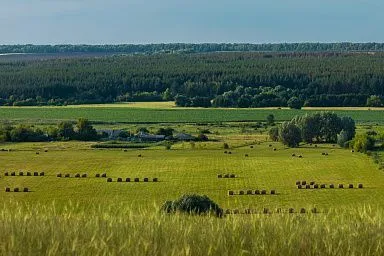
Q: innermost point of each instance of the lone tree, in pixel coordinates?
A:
(295, 103)
(85, 130)
(270, 119)
(274, 133)
(290, 134)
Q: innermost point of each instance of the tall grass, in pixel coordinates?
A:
(120, 230)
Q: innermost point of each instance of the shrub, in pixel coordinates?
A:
(289, 134)
(274, 133)
(193, 204)
(362, 143)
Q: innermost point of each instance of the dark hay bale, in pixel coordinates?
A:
(298, 182)
(226, 176)
(265, 210)
(16, 190)
(299, 186)
(25, 190)
(307, 186)
(322, 186)
(326, 153)
(315, 146)
(136, 179)
(249, 192)
(274, 149)
(291, 210)
(140, 155)
(314, 210)
(37, 153)
(232, 176)
(193, 204)
(21, 174)
(293, 155)
(119, 180)
(352, 151)
(46, 150)
(246, 155)
(333, 145)
(302, 210)
(84, 175)
(331, 186)
(155, 180)
(7, 190)
(230, 193)
(360, 185)
(219, 176)
(241, 192)
(29, 174)
(257, 192)
(109, 180)
(67, 175)
(225, 152)
(229, 152)
(316, 186)
(323, 154)
(13, 174)
(42, 173)
(300, 156)
(146, 179)
(251, 146)
(273, 192)
(6, 174)
(303, 182)
(128, 180)
(310, 144)
(104, 175)
(59, 175)
(341, 186)
(77, 175)
(125, 150)
(97, 175)
(270, 145)
(35, 174)
(263, 192)
(312, 183)
(350, 186)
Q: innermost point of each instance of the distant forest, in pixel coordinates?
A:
(218, 79)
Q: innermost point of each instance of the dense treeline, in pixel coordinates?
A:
(194, 48)
(221, 79)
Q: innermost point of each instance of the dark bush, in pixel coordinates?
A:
(193, 204)
(7, 190)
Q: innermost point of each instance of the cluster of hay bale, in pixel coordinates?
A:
(226, 176)
(252, 192)
(67, 175)
(295, 155)
(269, 211)
(228, 152)
(103, 175)
(25, 190)
(22, 173)
(324, 153)
(134, 180)
(314, 185)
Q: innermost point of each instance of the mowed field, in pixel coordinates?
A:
(184, 170)
(163, 112)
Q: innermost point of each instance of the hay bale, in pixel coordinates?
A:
(302, 210)
(225, 152)
(7, 190)
(219, 176)
(97, 175)
(270, 145)
(77, 175)
(84, 175)
(226, 176)
(6, 174)
(230, 193)
(251, 146)
(35, 174)
(246, 155)
(300, 156)
(303, 182)
(316, 186)
(29, 174)
(241, 192)
(42, 173)
(331, 186)
(13, 174)
(273, 192)
(119, 180)
(104, 175)
(128, 180)
(326, 153)
(155, 180)
(125, 150)
(312, 183)
(257, 192)
(136, 179)
(315, 146)
(323, 154)
(58, 175)
(21, 174)
(265, 210)
(67, 175)
(291, 210)
(46, 150)
(298, 182)
(263, 192)
(274, 149)
(37, 153)
(140, 155)
(249, 192)
(146, 179)
(299, 186)
(322, 186)
(232, 176)
(229, 152)
(293, 155)
(25, 190)
(352, 151)
(109, 180)
(360, 185)
(16, 190)
(350, 186)
(341, 186)
(307, 186)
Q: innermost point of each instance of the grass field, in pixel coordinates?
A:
(165, 113)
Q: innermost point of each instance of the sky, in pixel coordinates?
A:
(190, 21)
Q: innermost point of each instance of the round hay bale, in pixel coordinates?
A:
(25, 190)
(119, 180)
(42, 173)
(273, 192)
(21, 174)
(316, 186)
(16, 190)
(58, 175)
(241, 192)
(270, 145)
(97, 175)
(251, 146)
(322, 186)
(315, 146)
(300, 156)
(326, 153)
(67, 175)
(13, 174)
(219, 176)
(37, 153)
(6, 174)
(136, 179)
(29, 174)
(274, 149)
(140, 155)
(307, 186)
(303, 182)
(302, 210)
(257, 192)
(323, 154)
(232, 176)
(314, 210)
(128, 180)
(293, 155)
(360, 185)
(229, 152)
(230, 193)
(104, 175)
(146, 179)
(298, 182)
(249, 192)
(312, 183)
(291, 210)
(125, 150)
(84, 175)
(352, 151)
(225, 152)
(246, 155)
(350, 186)
(35, 174)
(299, 186)
(155, 180)
(109, 180)
(263, 192)
(341, 186)
(77, 175)
(265, 210)
(331, 186)
(226, 176)
(7, 190)
(46, 150)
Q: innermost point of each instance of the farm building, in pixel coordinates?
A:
(184, 137)
(112, 134)
(143, 136)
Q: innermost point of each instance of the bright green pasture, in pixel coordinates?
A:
(186, 169)
(163, 115)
